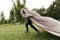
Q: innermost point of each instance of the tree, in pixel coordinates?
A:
(54, 10)
(57, 8)
(41, 11)
(17, 8)
(2, 18)
(50, 10)
(24, 1)
(11, 19)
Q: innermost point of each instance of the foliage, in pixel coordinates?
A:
(2, 21)
(12, 15)
(54, 10)
(15, 12)
(41, 11)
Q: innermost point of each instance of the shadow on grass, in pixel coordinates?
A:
(45, 36)
(42, 36)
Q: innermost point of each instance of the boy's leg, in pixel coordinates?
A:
(27, 27)
(34, 28)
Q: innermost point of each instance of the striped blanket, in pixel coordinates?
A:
(46, 23)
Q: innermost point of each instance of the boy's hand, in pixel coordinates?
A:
(31, 16)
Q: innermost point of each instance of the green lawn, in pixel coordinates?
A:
(17, 32)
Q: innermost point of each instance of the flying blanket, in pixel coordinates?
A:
(47, 23)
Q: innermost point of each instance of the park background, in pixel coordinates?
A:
(12, 24)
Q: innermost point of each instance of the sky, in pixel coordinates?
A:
(7, 5)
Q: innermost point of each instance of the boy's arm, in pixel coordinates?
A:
(30, 16)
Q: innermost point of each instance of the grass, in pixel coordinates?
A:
(17, 32)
